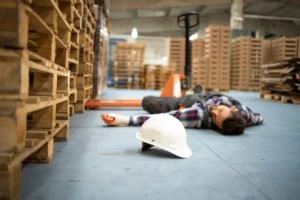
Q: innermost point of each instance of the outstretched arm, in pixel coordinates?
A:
(190, 117)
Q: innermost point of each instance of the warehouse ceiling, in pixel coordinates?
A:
(159, 17)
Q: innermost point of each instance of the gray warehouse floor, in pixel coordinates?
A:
(100, 162)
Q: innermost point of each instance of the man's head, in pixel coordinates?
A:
(228, 119)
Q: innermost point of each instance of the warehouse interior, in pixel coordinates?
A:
(67, 63)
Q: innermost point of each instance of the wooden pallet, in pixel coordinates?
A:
(44, 41)
(176, 54)
(84, 93)
(80, 106)
(284, 98)
(281, 49)
(298, 56)
(73, 96)
(15, 80)
(270, 96)
(83, 81)
(129, 61)
(245, 70)
(290, 99)
(39, 148)
(79, 7)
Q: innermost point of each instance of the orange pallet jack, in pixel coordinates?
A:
(172, 89)
(177, 84)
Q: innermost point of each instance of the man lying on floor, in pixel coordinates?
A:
(215, 110)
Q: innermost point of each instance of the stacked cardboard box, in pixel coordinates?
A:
(129, 65)
(217, 51)
(177, 54)
(246, 61)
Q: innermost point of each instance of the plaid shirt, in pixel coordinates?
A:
(251, 117)
(193, 117)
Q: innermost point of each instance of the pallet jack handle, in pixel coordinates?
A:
(185, 21)
(176, 85)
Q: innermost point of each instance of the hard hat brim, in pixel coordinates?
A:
(184, 152)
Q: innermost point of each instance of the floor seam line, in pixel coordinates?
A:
(234, 169)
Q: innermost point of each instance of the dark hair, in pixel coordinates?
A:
(233, 125)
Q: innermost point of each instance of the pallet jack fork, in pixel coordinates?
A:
(172, 89)
(177, 84)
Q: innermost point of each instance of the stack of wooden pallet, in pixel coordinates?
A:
(200, 72)
(279, 49)
(149, 74)
(129, 65)
(86, 56)
(37, 45)
(217, 51)
(74, 13)
(246, 62)
(199, 66)
(266, 51)
(162, 73)
(101, 42)
(177, 54)
(281, 81)
(298, 55)
(284, 48)
(156, 76)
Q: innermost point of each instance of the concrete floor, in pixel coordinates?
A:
(100, 162)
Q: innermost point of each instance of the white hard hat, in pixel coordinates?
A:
(166, 132)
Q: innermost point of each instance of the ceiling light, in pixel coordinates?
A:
(134, 33)
(194, 36)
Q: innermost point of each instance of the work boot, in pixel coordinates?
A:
(198, 89)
